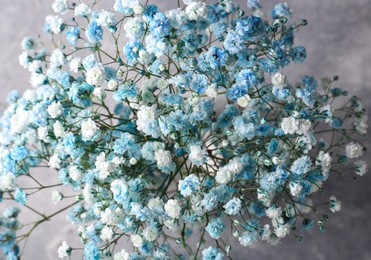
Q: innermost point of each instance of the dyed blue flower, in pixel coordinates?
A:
(190, 184)
(72, 35)
(233, 206)
(211, 253)
(301, 165)
(39, 115)
(298, 54)
(94, 32)
(127, 145)
(80, 93)
(20, 196)
(13, 96)
(19, 153)
(160, 25)
(250, 27)
(91, 251)
(254, 4)
(281, 10)
(131, 51)
(215, 227)
(125, 91)
(233, 43)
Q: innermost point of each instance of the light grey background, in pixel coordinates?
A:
(338, 41)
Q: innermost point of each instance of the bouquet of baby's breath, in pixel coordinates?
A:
(172, 126)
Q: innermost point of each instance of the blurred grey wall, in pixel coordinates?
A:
(338, 41)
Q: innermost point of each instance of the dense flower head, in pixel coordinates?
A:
(165, 123)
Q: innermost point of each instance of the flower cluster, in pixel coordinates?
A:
(174, 125)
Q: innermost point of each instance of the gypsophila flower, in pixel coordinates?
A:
(215, 227)
(64, 250)
(95, 76)
(59, 6)
(88, 129)
(82, 10)
(353, 150)
(335, 204)
(290, 125)
(197, 154)
(360, 167)
(189, 185)
(161, 122)
(172, 208)
(55, 109)
(233, 206)
(212, 253)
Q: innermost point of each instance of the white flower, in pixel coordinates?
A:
(88, 129)
(197, 155)
(106, 234)
(150, 233)
(335, 204)
(57, 58)
(172, 208)
(324, 159)
(278, 79)
(99, 93)
(136, 240)
(106, 18)
(361, 125)
(130, 3)
(146, 118)
(35, 66)
(55, 23)
(56, 196)
(59, 6)
(75, 173)
(55, 109)
(134, 28)
(75, 64)
(110, 217)
(295, 189)
(195, 10)
(361, 167)
(212, 91)
(37, 79)
(282, 230)
(243, 101)
(112, 84)
(145, 57)
(54, 162)
(58, 129)
(95, 76)
(7, 181)
(30, 95)
(155, 203)
(82, 10)
(24, 59)
(138, 9)
(122, 255)
(226, 173)
(64, 250)
(42, 133)
(19, 121)
(353, 150)
(163, 158)
(104, 167)
(187, 2)
(273, 212)
(304, 126)
(290, 125)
